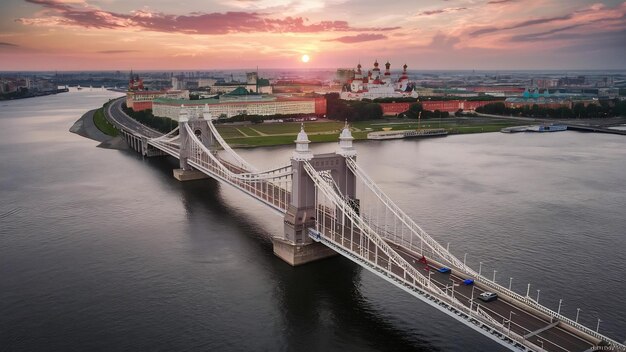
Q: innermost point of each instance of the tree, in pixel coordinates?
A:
(579, 110)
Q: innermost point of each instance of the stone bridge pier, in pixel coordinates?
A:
(296, 247)
(203, 132)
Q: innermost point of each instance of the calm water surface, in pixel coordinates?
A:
(101, 250)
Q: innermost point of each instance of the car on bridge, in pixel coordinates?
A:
(488, 296)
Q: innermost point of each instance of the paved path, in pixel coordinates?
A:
(87, 128)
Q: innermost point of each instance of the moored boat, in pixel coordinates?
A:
(547, 128)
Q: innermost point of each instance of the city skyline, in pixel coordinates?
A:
(431, 35)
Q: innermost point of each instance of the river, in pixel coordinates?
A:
(102, 250)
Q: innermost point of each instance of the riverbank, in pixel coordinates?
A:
(15, 95)
(86, 127)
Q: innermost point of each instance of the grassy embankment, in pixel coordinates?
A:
(268, 134)
(103, 124)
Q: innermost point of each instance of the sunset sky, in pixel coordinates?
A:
(225, 34)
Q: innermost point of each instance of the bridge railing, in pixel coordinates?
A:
(271, 187)
(327, 228)
(246, 165)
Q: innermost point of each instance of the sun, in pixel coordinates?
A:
(305, 58)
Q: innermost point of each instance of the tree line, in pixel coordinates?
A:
(351, 110)
(161, 124)
(605, 108)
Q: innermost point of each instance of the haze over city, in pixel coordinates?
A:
(224, 34)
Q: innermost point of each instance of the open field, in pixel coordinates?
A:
(266, 134)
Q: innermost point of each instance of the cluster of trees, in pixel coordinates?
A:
(579, 110)
(391, 100)
(416, 108)
(452, 97)
(161, 124)
(21, 92)
(352, 110)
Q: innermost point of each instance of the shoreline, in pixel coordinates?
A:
(85, 127)
(3, 98)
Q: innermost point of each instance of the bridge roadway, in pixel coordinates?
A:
(119, 117)
(523, 322)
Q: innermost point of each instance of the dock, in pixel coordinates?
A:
(597, 129)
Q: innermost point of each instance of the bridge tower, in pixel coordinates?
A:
(296, 247)
(201, 129)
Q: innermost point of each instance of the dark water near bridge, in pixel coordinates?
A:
(101, 250)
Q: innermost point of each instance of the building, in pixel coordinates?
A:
(238, 103)
(142, 99)
(139, 99)
(394, 109)
(377, 85)
(432, 105)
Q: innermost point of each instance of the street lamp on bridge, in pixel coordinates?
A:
(453, 284)
(494, 275)
(510, 282)
(577, 313)
(510, 317)
(559, 310)
(538, 295)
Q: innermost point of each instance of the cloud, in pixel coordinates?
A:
(439, 11)
(117, 51)
(61, 14)
(584, 16)
(527, 23)
(493, 2)
(548, 34)
(363, 37)
(8, 44)
(443, 42)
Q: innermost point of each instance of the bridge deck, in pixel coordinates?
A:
(523, 319)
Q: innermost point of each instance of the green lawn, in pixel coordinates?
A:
(103, 124)
(249, 131)
(285, 133)
(228, 131)
(294, 127)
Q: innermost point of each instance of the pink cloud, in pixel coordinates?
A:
(196, 23)
(363, 37)
(439, 11)
(596, 13)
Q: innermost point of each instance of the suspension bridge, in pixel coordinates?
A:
(329, 206)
